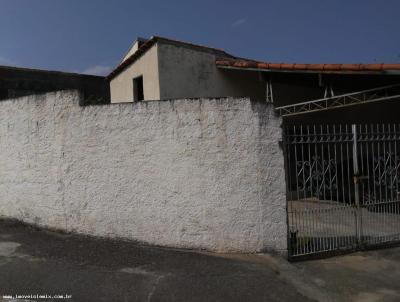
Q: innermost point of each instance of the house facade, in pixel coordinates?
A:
(340, 138)
(161, 68)
(311, 170)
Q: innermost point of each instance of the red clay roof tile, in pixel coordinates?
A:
(250, 64)
(227, 60)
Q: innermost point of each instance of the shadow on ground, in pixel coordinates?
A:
(34, 261)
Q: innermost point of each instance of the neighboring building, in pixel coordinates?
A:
(16, 82)
(161, 68)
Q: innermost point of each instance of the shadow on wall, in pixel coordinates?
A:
(17, 82)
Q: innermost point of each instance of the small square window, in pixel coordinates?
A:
(138, 94)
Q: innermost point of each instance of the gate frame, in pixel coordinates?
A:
(357, 178)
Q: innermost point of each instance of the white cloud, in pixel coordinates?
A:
(7, 62)
(100, 70)
(239, 22)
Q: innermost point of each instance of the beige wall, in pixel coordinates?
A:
(173, 71)
(147, 65)
(186, 72)
(131, 51)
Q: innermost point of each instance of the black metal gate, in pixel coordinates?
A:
(342, 187)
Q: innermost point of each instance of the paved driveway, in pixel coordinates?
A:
(372, 276)
(34, 261)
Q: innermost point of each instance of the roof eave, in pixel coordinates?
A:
(152, 41)
(386, 72)
(125, 64)
(307, 68)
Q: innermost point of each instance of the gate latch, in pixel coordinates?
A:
(357, 178)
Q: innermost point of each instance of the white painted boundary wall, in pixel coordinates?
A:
(203, 173)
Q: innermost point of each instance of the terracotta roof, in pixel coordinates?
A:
(153, 40)
(341, 68)
(226, 60)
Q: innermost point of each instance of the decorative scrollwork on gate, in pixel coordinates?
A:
(385, 173)
(343, 185)
(317, 177)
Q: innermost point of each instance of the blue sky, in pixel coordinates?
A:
(91, 36)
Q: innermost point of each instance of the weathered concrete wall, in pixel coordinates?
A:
(202, 173)
(186, 72)
(121, 86)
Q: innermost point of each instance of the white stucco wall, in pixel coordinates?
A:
(202, 173)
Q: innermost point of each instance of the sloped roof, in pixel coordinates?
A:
(238, 63)
(226, 60)
(138, 39)
(153, 40)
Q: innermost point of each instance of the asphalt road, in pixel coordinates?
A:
(34, 261)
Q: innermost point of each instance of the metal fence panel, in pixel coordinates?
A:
(342, 187)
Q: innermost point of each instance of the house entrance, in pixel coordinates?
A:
(343, 187)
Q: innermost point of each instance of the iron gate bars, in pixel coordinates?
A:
(342, 187)
(378, 181)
